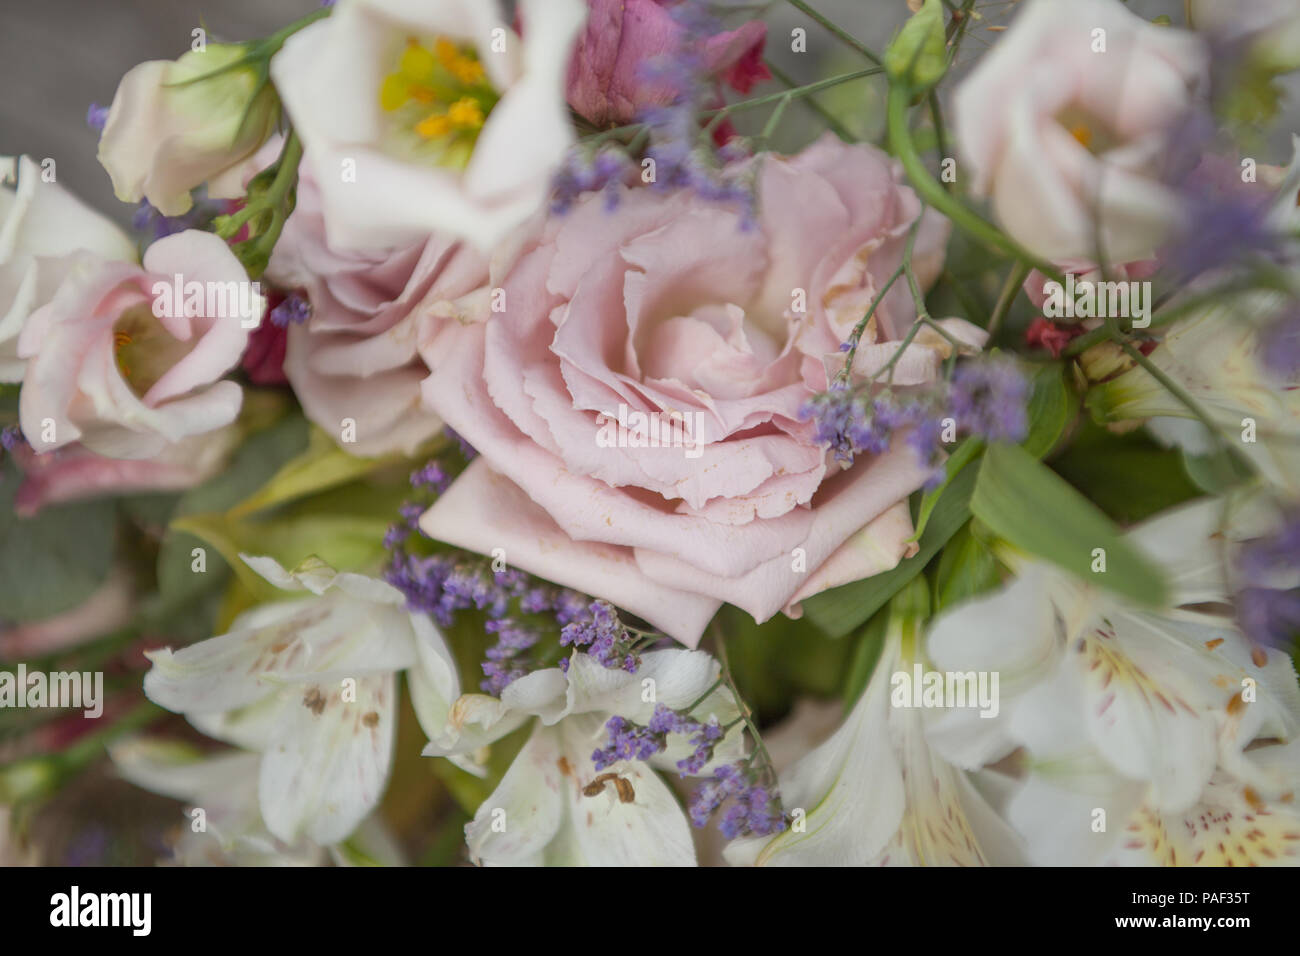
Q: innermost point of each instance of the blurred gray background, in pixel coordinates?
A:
(59, 56)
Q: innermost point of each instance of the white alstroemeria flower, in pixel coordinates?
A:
(1215, 356)
(310, 685)
(874, 794)
(223, 825)
(41, 224)
(1118, 707)
(542, 812)
(430, 116)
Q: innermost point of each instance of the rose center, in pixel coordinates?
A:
(437, 99)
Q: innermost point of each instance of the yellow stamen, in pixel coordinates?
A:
(433, 126)
(465, 113)
(1082, 133)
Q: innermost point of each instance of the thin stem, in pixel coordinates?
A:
(745, 713)
(846, 38)
(934, 194)
(812, 103)
(1014, 280)
(703, 697)
(806, 90)
(1178, 392)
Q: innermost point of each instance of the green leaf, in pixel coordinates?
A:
(323, 464)
(1129, 476)
(839, 610)
(54, 560)
(1022, 501)
(346, 542)
(780, 660)
(866, 654)
(1052, 406)
(1214, 473)
(918, 56)
(966, 452)
(967, 567)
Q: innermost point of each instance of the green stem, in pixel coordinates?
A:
(812, 103)
(806, 90)
(846, 38)
(1178, 392)
(745, 713)
(1015, 279)
(934, 194)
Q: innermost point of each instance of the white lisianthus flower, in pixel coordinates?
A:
(175, 125)
(1064, 126)
(874, 794)
(1117, 707)
(311, 686)
(41, 224)
(431, 116)
(552, 807)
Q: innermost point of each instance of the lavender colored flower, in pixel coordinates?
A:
(582, 173)
(96, 117)
(431, 476)
(989, 398)
(1279, 347)
(294, 310)
(1269, 616)
(755, 809)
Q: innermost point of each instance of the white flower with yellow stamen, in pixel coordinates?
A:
(430, 116)
(1117, 709)
(875, 794)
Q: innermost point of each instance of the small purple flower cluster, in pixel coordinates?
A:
(1279, 347)
(683, 157)
(755, 808)
(988, 398)
(147, 219)
(294, 310)
(598, 631)
(1271, 615)
(985, 398)
(583, 172)
(444, 584)
(632, 741)
(11, 436)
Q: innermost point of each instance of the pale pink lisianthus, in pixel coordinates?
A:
(612, 73)
(672, 306)
(1065, 125)
(355, 357)
(106, 371)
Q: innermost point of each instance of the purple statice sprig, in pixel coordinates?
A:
(755, 807)
(987, 398)
(629, 740)
(584, 171)
(294, 310)
(531, 620)
(1270, 615)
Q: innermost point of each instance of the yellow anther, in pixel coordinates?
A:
(433, 126)
(465, 113)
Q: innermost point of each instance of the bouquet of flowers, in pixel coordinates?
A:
(661, 432)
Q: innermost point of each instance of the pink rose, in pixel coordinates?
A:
(355, 357)
(120, 363)
(671, 307)
(610, 76)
